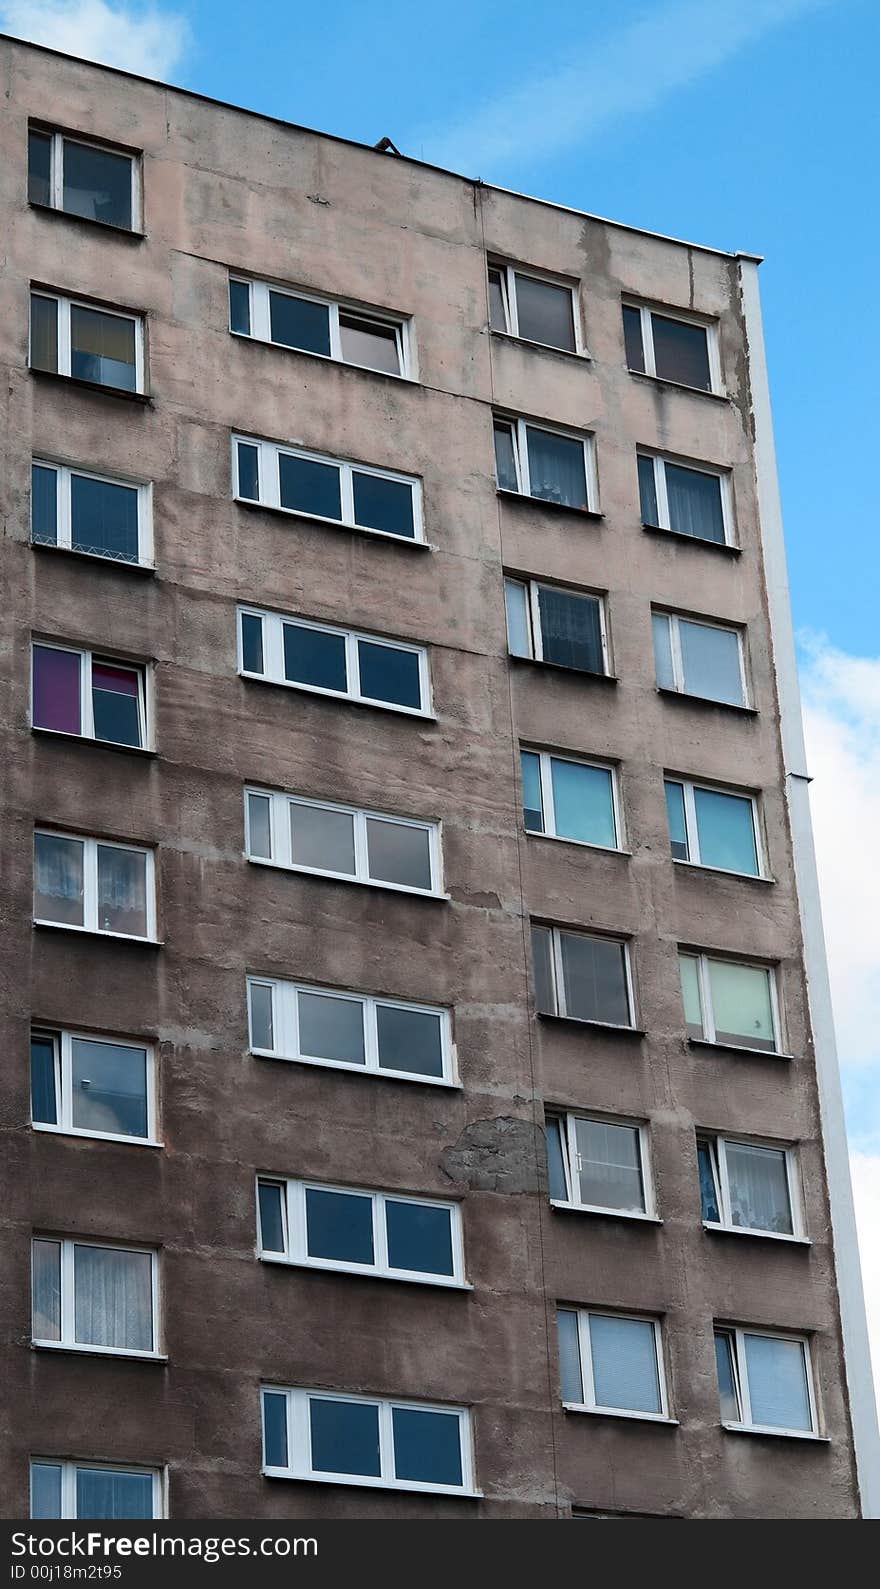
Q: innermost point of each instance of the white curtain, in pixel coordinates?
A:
(114, 1298)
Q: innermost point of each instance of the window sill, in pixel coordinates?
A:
(561, 667)
(94, 557)
(88, 221)
(578, 354)
(554, 507)
(342, 877)
(94, 932)
(579, 844)
(592, 1026)
(687, 699)
(363, 1482)
(678, 386)
(723, 871)
(761, 1235)
(144, 399)
(95, 1136)
(444, 1282)
(335, 524)
(336, 695)
(87, 739)
(775, 1434)
(325, 358)
(739, 1048)
(613, 1412)
(117, 1352)
(726, 547)
(607, 1213)
(352, 1069)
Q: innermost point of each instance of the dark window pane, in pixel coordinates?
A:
(271, 1199)
(249, 472)
(370, 343)
(122, 890)
(542, 964)
(115, 703)
(102, 1494)
(544, 312)
(389, 674)
(427, 1446)
(556, 1161)
(383, 505)
(345, 1437)
(58, 879)
(497, 304)
(681, 352)
(104, 518)
(557, 468)
(339, 1225)
(44, 332)
(331, 1028)
(312, 656)
(419, 1238)
(39, 168)
(56, 699)
(274, 1429)
(45, 1489)
(571, 630)
(323, 839)
(262, 1012)
(632, 336)
(594, 970)
(677, 825)
(727, 1394)
(97, 183)
(44, 505)
(309, 487)
(44, 1102)
(708, 1191)
(251, 643)
(409, 1040)
(102, 348)
(533, 806)
(505, 459)
(240, 307)
(299, 323)
(648, 491)
(109, 1087)
(694, 503)
(398, 853)
(259, 823)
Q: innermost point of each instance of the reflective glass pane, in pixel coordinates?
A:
(309, 487)
(497, 301)
(569, 1356)
(299, 323)
(240, 307)
(542, 964)
(322, 839)
(519, 632)
(571, 630)
(104, 518)
(758, 1186)
(389, 674)
(681, 352)
(594, 972)
(39, 177)
(409, 1040)
(398, 853)
(58, 879)
(632, 336)
(711, 1208)
(101, 1493)
(46, 1290)
(331, 1028)
(583, 803)
(46, 1489)
(97, 184)
(778, 1388)
(102, 348)
(419, 1237)
(689, 967)
(344, 1437)
(116, 703)
(557, 468)
(544, 312)
(259, 811)
(113, 1298)
(505, 458)
(427, 1446)
(726, 827)
(663, 651)
(251, 643)
(315, 657)
(370, 343)
(122, 891)
(609, 1165)
(727, 1391)
(44, 333)
(44, 1099)
(56, 689)
(533, 809)
(274, 1429)
(694, 503)
(109, 1087)
(44, 505)
(677, 823)
(262, 1022)
(624, 1363)
(742, 1005)
(249, 472)
(710, 659)
(271, 1205)
(648, 491)
(381, 504)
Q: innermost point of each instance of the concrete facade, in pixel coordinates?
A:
(226, 190)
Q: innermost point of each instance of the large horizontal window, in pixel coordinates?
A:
(376, 1233)
(551, 465)
(319, 325)
(675, 347)
(765, 1382)
(598, 1164)
(319, 487)
(94, 1491)
(533, 307)
(713, 827)
(94, 1297)
(77, 692)
(748, 1186)
(702, 659)
(94, 885)
(550, 624)
(311, 656)
(102, 346)
(83, 179)
(90, 513)
(691, 501)
(566, 799)
(730, 1002)
(342, 1439)
(92, 1086)
(611, 1362)
(325, 1026)
(584, 977)
(338, 841)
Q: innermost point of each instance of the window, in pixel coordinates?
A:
(317, 325)
(765, 1382)
(90, 513)
(689, 500)
(675, 347)
(93, 885)
(338, 841)
(76, 692)
(748, 1186)
(599, 1164)
(701, 659)
(324, 1026)
(611, 1362)
(325, 488)
(92, 1086)
(566, 799)
(549, 624)
(532, 307)
(312, 656)
(712, 827)
(100, 346)
(376, 1233)
(581, 976)
(551, 465)
(95, 1296)
(730, 1002)
(397, 1445)
(82, 179)
(92, 1491)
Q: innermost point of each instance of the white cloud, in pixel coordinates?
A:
(142, 39)
(628, 71)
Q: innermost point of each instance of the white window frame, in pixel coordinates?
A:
(532, 588)
(737, 1333)
(679, 685)
(299, 1442)
(69, 1469)
(64, 306)
(56, 174)
(269, 486)
(285, 1030)
(694, 857)
(273, 659)
(261, 324)
(64, 513)
(660, 460)
(717, 1143)
(589, 1403)
(62, 1039)
(548, 806)
(508, 273)
(280, 839)
(707, 1012)
(90, 886)
(646, 310)
(68, 1341)
(518, 428)
(87, 719)
(567, 1123)
(295, 1221)
(558, 974)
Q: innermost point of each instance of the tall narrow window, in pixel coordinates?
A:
(699, 659)
(713, 827)
(598, 1164)
(377, 1233)
(86, 179)
(550, 624)
(100, 346)
(582, 976)
(354, 1031)
(765, 1382)
(688, 500)
(349, 1439)
(674, 347)
(551, 465)
(339, 841)
(312, 324)
(94, 885)
(730, 1002)
(364, 668)
(94, 1491)
(315, 486)
(532, 307)
(98, 1297)
(748, 1186)
(568, 799)
(75, 692)
(611, 1363)
(92, 1086)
